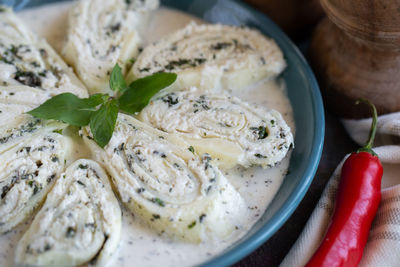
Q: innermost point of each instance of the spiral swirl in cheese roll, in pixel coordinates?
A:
(27, 60)
(212, 57)
(102, 33)
(170, 188)
(231, 130)
(31, 157)
(79, 223)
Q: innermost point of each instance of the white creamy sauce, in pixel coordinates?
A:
(139, 245)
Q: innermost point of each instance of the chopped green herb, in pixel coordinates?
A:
(257, 155)
(190, 226)
(47, 247)
(219, 46)
(90, 225)
(171, 99)
(191, 149)
(59, 131)
(176, 165)
(260, 131)
(140, 190)
(5, 190)
(184, 63)
(158, 201)
(144, 69)
(28, 78)
(83, 167)
(201, 218)
(70, 232)
(116, 27)
(35, 189)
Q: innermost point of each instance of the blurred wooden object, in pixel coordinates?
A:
(356, 54)
(293, 16)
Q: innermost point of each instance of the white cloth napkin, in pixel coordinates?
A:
(383, 246)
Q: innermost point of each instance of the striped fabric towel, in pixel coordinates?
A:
(383, 246)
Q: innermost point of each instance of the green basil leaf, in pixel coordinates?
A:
(69, 108)
(139, 92)
(96, 99)
(102, 123)
(117, 82)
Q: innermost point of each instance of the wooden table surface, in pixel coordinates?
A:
(337, 144)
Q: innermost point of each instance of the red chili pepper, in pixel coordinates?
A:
(357, 201)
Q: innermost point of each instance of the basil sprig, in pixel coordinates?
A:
(100, 111)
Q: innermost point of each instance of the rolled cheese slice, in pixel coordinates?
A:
(18, 99)
(212, 57)
(10, 111)
(28, 60)
(229, 129)
(171, 189)
(102, 33)
(32, 155)
(80, 222)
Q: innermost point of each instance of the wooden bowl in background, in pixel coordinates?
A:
(357, 55)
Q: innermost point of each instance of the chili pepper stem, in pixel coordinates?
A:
(372, 133)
